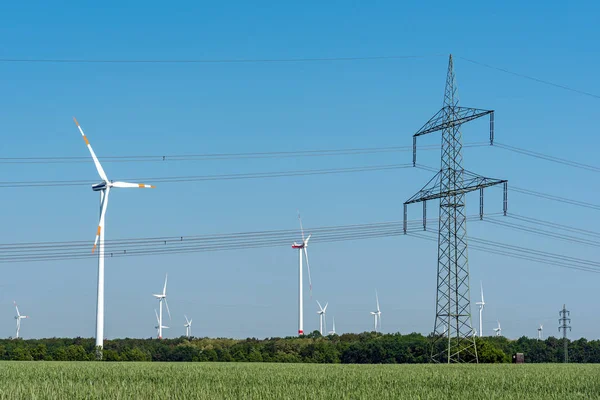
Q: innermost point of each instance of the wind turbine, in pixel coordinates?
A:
(159, 327)
(162, 297)
(18, 317)
(332, 331)
(322, 320)
(376, 314)
(104, 188)
(541, 332)
(481, 304)
(498, 330)
(302, 248)
(188, 326)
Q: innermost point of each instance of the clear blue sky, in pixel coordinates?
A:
(188, 108)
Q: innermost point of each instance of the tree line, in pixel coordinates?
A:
(349, 348)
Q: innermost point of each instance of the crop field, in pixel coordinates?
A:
(79, 380)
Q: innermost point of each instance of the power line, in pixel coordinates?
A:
(210, 61)
(547, 157)
(532, 78)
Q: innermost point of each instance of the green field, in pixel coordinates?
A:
(89, 380)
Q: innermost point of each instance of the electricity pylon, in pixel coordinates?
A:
(453, 335)
(564, 320)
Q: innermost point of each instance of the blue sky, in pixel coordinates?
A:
(145, 109)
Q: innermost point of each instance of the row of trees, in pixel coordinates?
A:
(364, 348)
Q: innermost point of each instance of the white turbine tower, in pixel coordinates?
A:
(302, 249)
(104, 188)
(332, 331)
(541, 332)
(498, 330)
(18, 317)
(481, 304)
(159, 327)
(188, 326)
(376, 314)
(162, 297)
(322, 320)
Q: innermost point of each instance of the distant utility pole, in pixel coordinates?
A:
(453, 338)
(563, 320)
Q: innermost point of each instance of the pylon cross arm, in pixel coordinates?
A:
(471, 183)
(459, 115)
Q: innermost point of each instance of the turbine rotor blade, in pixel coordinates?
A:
(321, 308)
(169, 312)
(18, 314)
(102, 216)
(308, 268)
(377, 299)
(89, 146)
(131, 185)
(157, 319)
(301, 228)
(165, 287)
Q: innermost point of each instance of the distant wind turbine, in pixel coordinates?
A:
(332, 331)
(541, 332)
(302, 249)
(162, 297)
(376, 314)
(188, 326)
(104, 188)
(322, 320)
(159, 327)
(481, 304)
(498, 330)
(18, 317)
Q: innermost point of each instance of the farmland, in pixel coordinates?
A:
(76, 380)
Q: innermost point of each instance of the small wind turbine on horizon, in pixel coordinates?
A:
(18, 317)
(541, 332)
(104, 188)
(302, 249)
(376, 314)
(481, 304)
(188, 326)
(162, 297)
(322, 321)
(159, 327)
(332, 331)
(498, 330)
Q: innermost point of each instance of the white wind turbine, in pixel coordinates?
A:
(162, 297)
(322, 320)
(159, 327)
(104, 188)
(498, 330)
(332, 331)
(481, 304)
(18, 317)
(302, 249)
(540, 332)
(188, 326)
(376, 314)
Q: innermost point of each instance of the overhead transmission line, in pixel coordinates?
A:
(547, 157)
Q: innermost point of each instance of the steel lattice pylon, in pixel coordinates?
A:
(453, 335)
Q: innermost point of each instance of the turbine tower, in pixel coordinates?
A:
(322, 320)
(453, 339)
(159, 327)
(541, 332)
(498, 330)
(376, 314)
(481, 304)
(162, 297)
(302, 249)
(104, 188)
(188, 326)
(18, 317)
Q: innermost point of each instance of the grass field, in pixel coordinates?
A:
(86, 380)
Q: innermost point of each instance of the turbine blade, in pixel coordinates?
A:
(169, 312)
(326, 304)
(89, 146)
(377, 299)
(308, 268)
(131, 185)
(157, 319)
(186, 319)
(165, 287)
(102, 215)
(301, 228)
(482, 293)
(321, 308)
(17, 308)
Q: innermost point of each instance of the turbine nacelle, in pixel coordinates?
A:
(98, 187)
